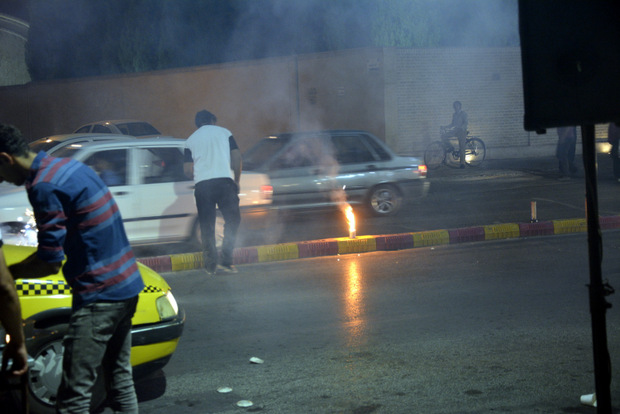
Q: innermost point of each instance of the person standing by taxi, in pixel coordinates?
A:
(11, 319)
(213, 160)
(77, 216)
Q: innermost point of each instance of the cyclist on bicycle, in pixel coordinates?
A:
(458, 128)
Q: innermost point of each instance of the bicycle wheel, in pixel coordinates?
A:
(475, 151)
(434, 155)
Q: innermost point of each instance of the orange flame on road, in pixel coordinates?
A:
(348, 212)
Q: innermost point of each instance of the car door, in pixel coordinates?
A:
(360, 166)
(113, 165)
(302, 173)
(165, 194)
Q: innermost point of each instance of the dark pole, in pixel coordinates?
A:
(597, 290)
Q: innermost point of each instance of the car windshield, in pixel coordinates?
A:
(137, 129)
(255, 157)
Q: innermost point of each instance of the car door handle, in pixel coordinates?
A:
(371, 167)
(120, 193)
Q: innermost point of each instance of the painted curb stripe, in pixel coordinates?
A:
(360, 244)
(158, 263)
(469, 234)
(395, 242)
(276, 252)
(570, 226)
(245, 255)
(431, 238)
(541, 228)
(611, 222)
(186, 261)
(501, 231)
(318, 248)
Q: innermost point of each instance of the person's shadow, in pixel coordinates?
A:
(151, 387)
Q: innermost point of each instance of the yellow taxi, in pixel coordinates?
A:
(46, 308)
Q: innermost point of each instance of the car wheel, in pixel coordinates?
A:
(45, 374)
(384, 200)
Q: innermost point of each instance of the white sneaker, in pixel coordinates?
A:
(227, 269)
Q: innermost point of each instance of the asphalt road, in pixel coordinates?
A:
(470, 328)
(483, 327)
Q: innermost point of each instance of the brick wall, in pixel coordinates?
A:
(401, 95)
(423, 83)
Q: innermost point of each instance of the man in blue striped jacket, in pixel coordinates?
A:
(77, 217)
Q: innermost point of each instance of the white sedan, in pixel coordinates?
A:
(146, 178)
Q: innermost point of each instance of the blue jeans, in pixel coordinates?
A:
(99, 338)
(223, 193)
(565, 153)
(615, 160)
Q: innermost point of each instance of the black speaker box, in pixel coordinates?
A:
(570, 55)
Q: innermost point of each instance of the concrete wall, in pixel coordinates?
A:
(342, 90)
(247, 98)
(401, 95)
(252, 99)
(423, 83)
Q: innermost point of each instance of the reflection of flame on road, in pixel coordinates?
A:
(348, 212)
(354, 305)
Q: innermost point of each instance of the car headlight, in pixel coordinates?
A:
(167, 306)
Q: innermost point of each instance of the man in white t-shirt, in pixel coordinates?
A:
(213, 159)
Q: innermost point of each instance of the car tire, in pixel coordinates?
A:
(384, 200)
(45, 374)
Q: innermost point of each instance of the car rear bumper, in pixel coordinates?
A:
(415, 189)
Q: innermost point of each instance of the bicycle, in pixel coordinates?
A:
(446, 151)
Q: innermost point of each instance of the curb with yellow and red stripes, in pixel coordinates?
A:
(363, 244)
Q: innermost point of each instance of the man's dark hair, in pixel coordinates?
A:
(12, 142)
(205, 117)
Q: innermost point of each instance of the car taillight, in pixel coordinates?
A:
(422, 170)
(266, 191)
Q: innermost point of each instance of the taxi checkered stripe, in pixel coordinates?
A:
(151, 289)
(48, 288)
(41, 288)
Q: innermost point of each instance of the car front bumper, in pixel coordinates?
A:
(168, 330)
(152, 345)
